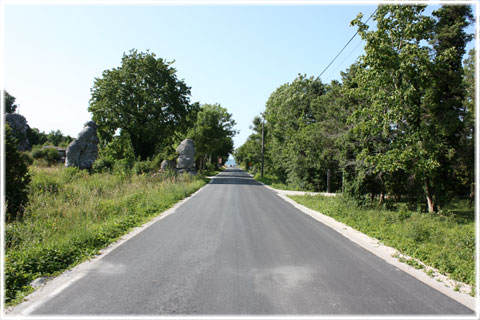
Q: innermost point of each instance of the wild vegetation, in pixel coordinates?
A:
(399, 125)
(58, 217)
(73, 213)
(445, 242)
(142, 111)
(395, 137)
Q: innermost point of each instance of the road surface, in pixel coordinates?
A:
(237, 248)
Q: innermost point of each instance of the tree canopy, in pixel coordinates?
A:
(143, 99)
(399, 123)
(212, 132)
(10, 106)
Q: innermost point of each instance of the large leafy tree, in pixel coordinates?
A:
(143, 99)
(394, 76)
(212, 133)
(446, 96)
(289, 114)
(412, 121)
(305, 122)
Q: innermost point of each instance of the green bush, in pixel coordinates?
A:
(17, 178)
(51, 156)
(143, 167)
(122, 167)
(37, 153)
(103, 164)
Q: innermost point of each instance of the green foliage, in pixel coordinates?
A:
(144, 167)
(144, 99)
(305, 121)
(212, 133)
(36, 137)
(103, 164)
(400, 125)
(273, 182)
(406, 124)
(51, 156)
(56, 138)
(123, 167)
(446, 242)
(37, 153)
(10, 105)
(72, 214)
(17, 178)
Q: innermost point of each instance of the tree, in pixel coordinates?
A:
(465, 164)
(446, 95)
(249, 154)
(10, 105)
(410, 124)
(143, 98)
(289, 113)
(305, 120)
(36, 137)
(393, 78)
(17, 178)
(212, 133)
(57, 138)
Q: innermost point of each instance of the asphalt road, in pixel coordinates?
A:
(237, 248)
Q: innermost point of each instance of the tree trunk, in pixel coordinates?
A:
(329, 179)
(429, 196)
(382, 197)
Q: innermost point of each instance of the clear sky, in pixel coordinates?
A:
(232, 55)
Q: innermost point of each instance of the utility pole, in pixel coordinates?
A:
(263, 141)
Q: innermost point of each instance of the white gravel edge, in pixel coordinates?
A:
(54, 286)
(438, 281)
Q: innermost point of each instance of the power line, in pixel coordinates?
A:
(343, 61)
(345, 46)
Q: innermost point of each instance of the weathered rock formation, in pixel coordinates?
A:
(186, 157)
(19, 126)
(167, 165)
(82, 152)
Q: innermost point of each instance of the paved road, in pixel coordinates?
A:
(237, 248)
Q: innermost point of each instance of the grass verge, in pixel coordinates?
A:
(444, 241)
(275, 183)
(72, 214)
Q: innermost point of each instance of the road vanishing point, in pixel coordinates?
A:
(236, 248)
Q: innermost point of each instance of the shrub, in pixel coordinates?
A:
(122, 166)
(103, 164)
(51, 156)
(37, 153)
(143, 167)
(17, 178)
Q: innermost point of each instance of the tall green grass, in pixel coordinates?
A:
(443, 240)
(273, 182)
(72, 214)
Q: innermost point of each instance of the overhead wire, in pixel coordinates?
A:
(343, 61)
(345, 46)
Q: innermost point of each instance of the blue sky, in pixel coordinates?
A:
(232, 55)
